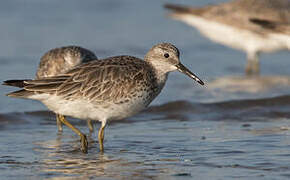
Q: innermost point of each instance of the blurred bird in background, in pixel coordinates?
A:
(253, 26)
(58, 61)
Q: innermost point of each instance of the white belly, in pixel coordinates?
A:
(83, 109)
(237, 38)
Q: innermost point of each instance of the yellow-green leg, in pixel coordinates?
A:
(58, 123)
(60, 129)
(101, 136)
(90, 125)
(84, 142)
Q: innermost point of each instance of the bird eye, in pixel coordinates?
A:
(166, 55)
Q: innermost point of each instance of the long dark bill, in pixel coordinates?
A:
(186, 71)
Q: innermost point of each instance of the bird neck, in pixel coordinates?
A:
(160, 73)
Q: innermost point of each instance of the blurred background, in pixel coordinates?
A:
(218, 130)
(109, 28)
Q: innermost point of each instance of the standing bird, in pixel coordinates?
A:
(253, 26)
(108, 89)
(58, 61)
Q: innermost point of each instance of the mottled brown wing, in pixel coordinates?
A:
(273, 26)
(113, 79)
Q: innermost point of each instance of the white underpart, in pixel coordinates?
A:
(235, 37)
(283, 38)
(82, 109)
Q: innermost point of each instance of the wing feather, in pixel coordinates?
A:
(42, 87)
(104, 80)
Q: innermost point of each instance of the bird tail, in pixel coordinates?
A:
(38, 87)
(20, 84)
(180, 9)
(15, 83)
(21, 94)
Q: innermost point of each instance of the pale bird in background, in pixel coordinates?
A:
(253, 26)
(105, 90)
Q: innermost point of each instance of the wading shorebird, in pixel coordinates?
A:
(58, 61)
(253, 26)
(108, 89)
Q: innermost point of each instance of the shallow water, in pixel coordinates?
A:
(234, 127)
(178, 140)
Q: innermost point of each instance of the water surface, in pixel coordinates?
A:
(234, 127)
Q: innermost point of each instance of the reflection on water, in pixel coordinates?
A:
(249, 84)
(59, 162)
(177, 140)
(68, 165)
(271, 130)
